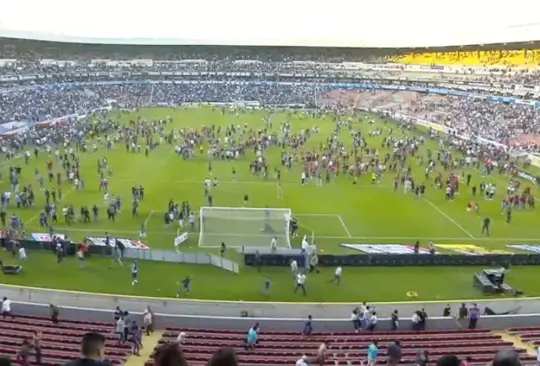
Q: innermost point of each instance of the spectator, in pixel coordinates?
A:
(506, 357)
(373, 321)
(449, 360)
(373, 352)
(224, 356)
(5, 361)
(394, 318)
(36, 340)
(394, 354)
(136, 340)
(474, 315)
(6, 308)
(415, 320)
(447, 311)
(308, 326)
(463, 311)
(148, 320)
(54, 313)
(422, 358)
(467, 361)
(92, 351)
(170, 355)
(252, 337)
(24, 353)
(181, 338)
(355, 319)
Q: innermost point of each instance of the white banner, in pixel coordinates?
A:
(180, 239)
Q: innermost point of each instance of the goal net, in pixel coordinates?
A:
(244, 227)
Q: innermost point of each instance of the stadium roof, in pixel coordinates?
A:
(339, 23)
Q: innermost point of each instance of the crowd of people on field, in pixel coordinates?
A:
(33, 101)
(501, 122)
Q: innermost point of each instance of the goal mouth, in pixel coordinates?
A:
(244, 227)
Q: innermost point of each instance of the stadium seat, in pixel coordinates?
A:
(344, 348)
(60, 342)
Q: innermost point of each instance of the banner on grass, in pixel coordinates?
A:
(531, 178)
(180, 239)
(128, 243)
(385, 248)
(46, 238)
(526, 248)
(469, 249)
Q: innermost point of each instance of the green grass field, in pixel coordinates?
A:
(339, 212)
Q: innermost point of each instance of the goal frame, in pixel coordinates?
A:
(217, 208)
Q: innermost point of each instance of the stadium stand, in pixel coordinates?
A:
(60, 342)
(344, 348)
(498, 121)
(501, 57)
(527, 334)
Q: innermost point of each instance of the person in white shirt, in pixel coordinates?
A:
(22, 254)
(300, 283)
(303, 178)
(366, 315)
(273, 244)
(294, 268)
(415, 321)
(302, 361)
(305, 244)
(148, 321)
(6, 308)
(181, 338)
(373, 321)
(337, 276)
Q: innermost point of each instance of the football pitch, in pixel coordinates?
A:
(336, 213)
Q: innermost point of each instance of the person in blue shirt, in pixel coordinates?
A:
(373, 352)
(251, 341)
(186, 287)
(308, 327)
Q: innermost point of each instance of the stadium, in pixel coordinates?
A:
(309, 195)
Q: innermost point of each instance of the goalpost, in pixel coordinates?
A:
(244, 227)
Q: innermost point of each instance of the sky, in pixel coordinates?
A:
(345, 23)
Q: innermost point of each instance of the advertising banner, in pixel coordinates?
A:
(470, 249)
(180, 239)
(526, 248)
(128, 243)
(385, 248)
(46, 238)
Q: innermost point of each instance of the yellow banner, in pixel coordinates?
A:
(471, 249)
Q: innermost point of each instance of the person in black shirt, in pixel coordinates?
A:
(93, 351)
(509, 215)
(485, 226)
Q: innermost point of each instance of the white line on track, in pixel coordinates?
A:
(443, 214)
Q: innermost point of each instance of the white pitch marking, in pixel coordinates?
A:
(344, 226)
(443, 214)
